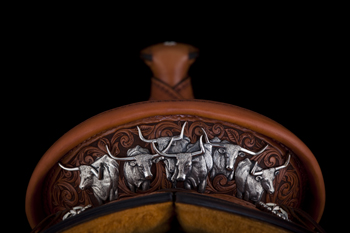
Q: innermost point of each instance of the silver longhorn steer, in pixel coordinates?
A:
(190, 167)
(178, 145)
(252, 180)
(137, 167)
(208, 151)
(225, 155)
(101, 176)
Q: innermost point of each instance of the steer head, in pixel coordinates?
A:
(184, 165)
(183, 160)
(267, 176)
(176, 144)
(87, 174)
(231, 152)
(139, 157)
(175, 147)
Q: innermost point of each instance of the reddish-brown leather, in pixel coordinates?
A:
(170, 64)
(171, 84)
(208, 109)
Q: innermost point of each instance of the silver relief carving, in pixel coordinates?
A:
(191, 167)
(225, 155)
(163, 142)
(137, 167)
(74, 211)
(178, 145)
(186, 162)
(274, 209)
(101, 176)
(252, 180)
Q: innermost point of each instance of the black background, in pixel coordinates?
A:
(63, 77)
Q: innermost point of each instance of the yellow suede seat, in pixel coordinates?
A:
(174, 212)
(199, 213)
(148, 213)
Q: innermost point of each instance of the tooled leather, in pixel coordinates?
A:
(219, 111)
(176, 93)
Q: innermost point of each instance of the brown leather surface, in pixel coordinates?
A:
(289, 185)
(170, 64)
(208, 109)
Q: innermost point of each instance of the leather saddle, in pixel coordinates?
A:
(175, 163)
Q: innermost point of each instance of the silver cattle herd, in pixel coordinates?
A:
(185, 162)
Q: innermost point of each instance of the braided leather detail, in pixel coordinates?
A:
(163, 91)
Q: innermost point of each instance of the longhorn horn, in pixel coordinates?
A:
(155, 156)
(165, 150)
(144, 139)
(202, 148)
(176, 138)
(253, 172)
(206, 136)
(284, 165)
(94, 171)
(98, 173)
(68, 169)
(253, 153)
(217, 144)
(163, 153)
(120, 159)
